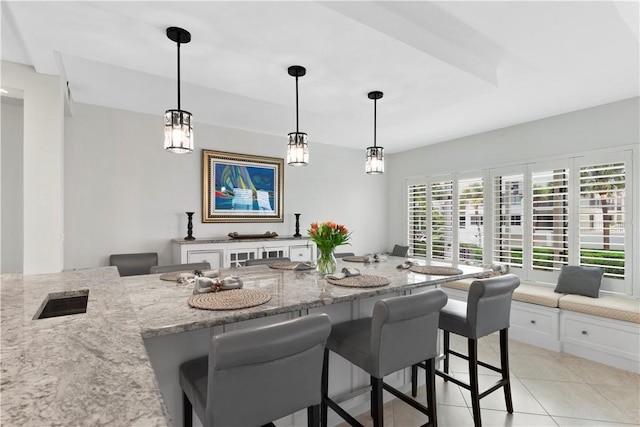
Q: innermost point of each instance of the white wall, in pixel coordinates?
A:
(43, 195)
(602, 127)
(12, 185)
(124, 193)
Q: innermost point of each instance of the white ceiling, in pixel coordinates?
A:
(447, 69)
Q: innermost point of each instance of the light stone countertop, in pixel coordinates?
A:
(87, 369)
(92, 369)
(161, 306)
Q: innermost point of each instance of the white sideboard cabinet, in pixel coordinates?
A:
(225, 252)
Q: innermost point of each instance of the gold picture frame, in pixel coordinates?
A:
(241, 187)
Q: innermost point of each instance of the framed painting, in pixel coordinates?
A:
(241, 187)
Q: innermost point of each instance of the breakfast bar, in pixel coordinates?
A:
(118, 362)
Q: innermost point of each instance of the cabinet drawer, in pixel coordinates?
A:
(300, 253)
(597, 332)
(533, 320)
(214, 258)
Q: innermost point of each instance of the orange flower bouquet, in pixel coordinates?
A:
(327, 236)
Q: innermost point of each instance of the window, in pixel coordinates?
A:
(602, 217)
(441, 219)
(549, 210)
(471, 205)
(507, 234)
(417, 220)
(536, 218)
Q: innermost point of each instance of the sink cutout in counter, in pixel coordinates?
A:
(63, 304)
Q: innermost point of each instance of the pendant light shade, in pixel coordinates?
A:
(375, 154)
(178, 124)
(298, 147)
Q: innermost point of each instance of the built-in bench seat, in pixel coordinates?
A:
(619, 308)
(604, 329)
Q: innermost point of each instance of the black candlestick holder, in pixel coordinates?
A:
(297, 226)
(190, 226)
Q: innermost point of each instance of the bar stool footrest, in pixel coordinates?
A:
(406, 399)
(344, 414)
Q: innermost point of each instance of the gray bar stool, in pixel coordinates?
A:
(134, 264)
(343, 254)
(402, 332)
(487, 310)
(254, 376)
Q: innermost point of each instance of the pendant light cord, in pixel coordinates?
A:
(178, 74)
(375, 103)
(297, 128)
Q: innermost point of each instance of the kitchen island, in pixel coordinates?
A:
(92, 368)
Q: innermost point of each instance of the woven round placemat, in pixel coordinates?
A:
(234, 299)
(355, 258)
(287, 265)
(436, 270)
(362, 281)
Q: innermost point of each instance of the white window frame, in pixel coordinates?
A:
(573, 164)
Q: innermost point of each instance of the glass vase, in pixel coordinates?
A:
(326, 262)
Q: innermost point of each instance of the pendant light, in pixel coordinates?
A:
(178, 129)
(375, 154)
(298, 148)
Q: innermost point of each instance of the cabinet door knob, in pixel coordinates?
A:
(533, 322)
(585, 333)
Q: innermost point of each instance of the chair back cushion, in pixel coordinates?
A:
(134, 264)
(400, 251)
(489, 304)
(262, 374)
(404, 331)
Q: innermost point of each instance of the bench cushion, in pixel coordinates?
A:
(461, 285)
(606, 306)
(540, 295)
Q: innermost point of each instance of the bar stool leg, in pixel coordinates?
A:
(187, 420)
(313, 416)
(504, 366)
(446, 337)
(414, 380)
(430, 386)
(324, 389)
(473, 381)
(377, 412)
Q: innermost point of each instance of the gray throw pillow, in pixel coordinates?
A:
(580, 281)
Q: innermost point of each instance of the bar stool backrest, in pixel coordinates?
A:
(134, 264)
(404, 331)
(262, 374)
(489, 304)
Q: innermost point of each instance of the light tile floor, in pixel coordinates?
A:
(548, 389)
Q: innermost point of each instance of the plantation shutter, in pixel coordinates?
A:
(602, 212)
(441, 219)
(508, 216)
(417, 220)
(470, 219)
(550, 219)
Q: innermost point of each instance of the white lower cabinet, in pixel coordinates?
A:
(536, 325)
(300, 253)
(228, 253)
(609, 341)
(214, 258)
